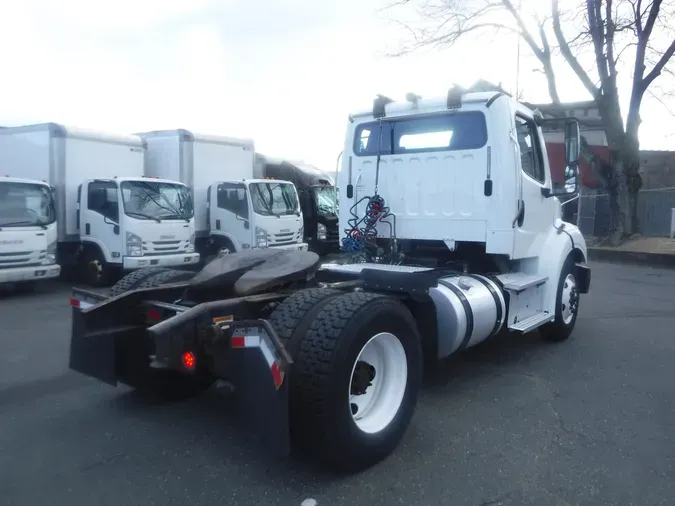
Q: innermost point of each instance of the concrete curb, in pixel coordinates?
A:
(632, 257)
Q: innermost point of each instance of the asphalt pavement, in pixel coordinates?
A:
(514, 422)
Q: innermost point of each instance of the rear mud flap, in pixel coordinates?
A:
(254, 359)
(262, 408)
(93, 352)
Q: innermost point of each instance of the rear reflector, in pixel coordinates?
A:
(153, 314)
(238, 342)
(267, 350)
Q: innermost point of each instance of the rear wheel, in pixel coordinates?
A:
(294, 315)
(355, 380)
(165, 277)
(133, 279)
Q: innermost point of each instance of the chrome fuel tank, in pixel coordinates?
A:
(469, 309)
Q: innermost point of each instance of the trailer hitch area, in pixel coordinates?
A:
(249, 355)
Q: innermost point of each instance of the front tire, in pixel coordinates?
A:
(96, 271)
(337, 361)
(566, 306)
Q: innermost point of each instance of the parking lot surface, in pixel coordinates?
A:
(513, 422)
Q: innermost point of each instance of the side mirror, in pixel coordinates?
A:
(569, 188)
(572, 142)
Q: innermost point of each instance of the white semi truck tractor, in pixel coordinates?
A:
(107, 215)
(234, 211)
(452, 235)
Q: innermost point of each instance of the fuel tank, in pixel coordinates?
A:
(469, 309)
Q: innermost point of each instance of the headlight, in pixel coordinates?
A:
(134, 245)
(321, 232)
(301, 234)
(260, 237)
(191, 245)
(50, 256)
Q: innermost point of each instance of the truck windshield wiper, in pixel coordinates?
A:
(175, 217)
(146, 216)
(24, 222)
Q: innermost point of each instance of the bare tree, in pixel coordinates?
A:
(615, 31)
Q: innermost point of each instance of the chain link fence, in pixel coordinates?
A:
(654, 212)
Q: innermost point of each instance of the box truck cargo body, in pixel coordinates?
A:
(109, 215)
(219, 170)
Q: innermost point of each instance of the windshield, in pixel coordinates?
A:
(274, 199)
(326, 200)
(156, 201)
(26, 204)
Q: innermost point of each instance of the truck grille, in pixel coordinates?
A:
(21, 259)
(164, 247)
(283, 238)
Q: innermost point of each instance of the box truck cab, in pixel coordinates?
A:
(131, 223)
(318, 199)
(109, 216)
(254, 213)
(27, 231)
(233, 210)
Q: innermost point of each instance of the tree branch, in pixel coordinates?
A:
(609, 38)
(658, 68)
(567, 53)
(596, 26)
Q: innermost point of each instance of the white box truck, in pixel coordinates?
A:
(27, 230)
(110, 217)
(233, 210)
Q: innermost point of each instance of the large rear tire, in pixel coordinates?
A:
(133, 279)
(294, 315)
(166, 277)
(355, 380)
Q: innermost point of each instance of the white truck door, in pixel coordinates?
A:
(100, 219)
(535, 210)
(229, 214)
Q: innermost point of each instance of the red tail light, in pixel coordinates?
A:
(189, 360)
(74, 303)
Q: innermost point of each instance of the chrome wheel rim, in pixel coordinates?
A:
(569, 303)
(378, 383)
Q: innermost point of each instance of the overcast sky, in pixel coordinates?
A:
(283, 72)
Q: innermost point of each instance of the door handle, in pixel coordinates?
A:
(87, 229)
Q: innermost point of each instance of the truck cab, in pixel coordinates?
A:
(254, 213)
(318, 200)
(129, 223)
(463, 182)
(28, 233)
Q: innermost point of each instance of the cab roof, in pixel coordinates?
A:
(386, 107)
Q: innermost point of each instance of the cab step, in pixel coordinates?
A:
(532, 322)
(518, 281)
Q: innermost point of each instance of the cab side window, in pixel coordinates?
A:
(531, 160)
(102, 198)
(232, 197)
